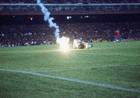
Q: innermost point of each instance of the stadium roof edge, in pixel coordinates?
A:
(76, 4)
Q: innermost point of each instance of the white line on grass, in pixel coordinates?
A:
(75, 80)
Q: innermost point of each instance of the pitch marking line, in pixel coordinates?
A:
(75, 80)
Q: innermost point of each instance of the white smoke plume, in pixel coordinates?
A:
(49, 19)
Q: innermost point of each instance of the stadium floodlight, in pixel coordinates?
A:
(63, 44)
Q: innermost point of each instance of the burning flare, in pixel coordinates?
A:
(63, 41)
(63, 44)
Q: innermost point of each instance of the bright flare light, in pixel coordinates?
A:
(63, 44)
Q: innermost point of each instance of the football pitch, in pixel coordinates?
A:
(108, 70)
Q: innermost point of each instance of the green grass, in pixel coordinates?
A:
(109, 63)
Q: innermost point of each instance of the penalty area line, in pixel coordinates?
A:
(93, 83)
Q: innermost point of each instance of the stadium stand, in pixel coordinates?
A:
(41, 34)
(61, 9)
(34, 34)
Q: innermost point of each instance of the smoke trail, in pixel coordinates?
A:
(49, 19)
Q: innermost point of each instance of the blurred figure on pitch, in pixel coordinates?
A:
(117, 36)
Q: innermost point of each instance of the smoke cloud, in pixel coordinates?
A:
(49, 19)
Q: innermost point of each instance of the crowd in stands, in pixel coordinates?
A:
(17, 35)
(71, 1)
